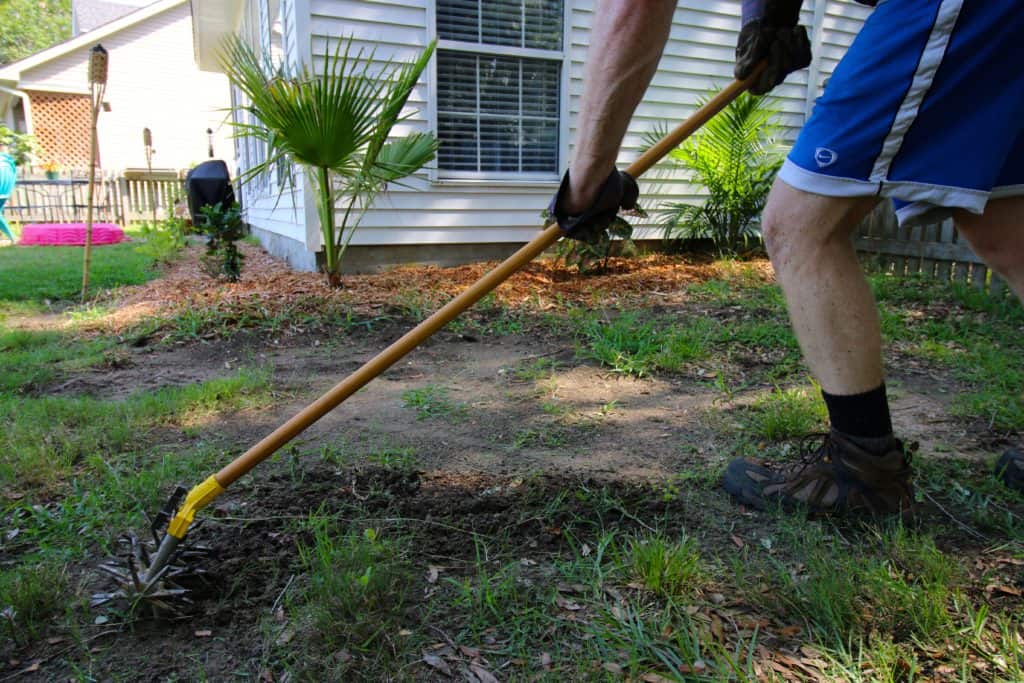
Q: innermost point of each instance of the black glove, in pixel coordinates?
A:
(619, 191)
(770, 32)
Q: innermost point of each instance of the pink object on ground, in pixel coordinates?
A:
(69, 234)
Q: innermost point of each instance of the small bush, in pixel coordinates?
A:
(223, 228)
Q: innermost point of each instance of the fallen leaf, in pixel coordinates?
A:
(54, 640)
(651, 677)
(612, 667)
(545, 660)
(34, 666)
(998, 588)
(204, 633)
(791, 631)
(567, 604)
(471, 652)
(404, 632)
(737, 540)
(483, 674)
(717, 629)
(437, 663)
(717, 598)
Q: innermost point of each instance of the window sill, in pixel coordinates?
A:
(496, 183)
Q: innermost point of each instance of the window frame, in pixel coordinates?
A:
(504, 178)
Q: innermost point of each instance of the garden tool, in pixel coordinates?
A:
(152, 574)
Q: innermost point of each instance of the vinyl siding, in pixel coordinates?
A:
(153, 82)
(697, 59)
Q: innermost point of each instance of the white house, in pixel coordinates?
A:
(153, 82)
(502, 94)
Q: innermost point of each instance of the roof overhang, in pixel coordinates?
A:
(11, 74)
(212, 22)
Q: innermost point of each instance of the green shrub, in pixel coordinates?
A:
(222, 227)
(162, 240)
(734, 157)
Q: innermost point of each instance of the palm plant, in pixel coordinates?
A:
(336, 124)
(734, 156)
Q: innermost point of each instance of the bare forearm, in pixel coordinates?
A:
(626, 43)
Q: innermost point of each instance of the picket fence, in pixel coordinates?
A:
(127, 198)
(934, 251)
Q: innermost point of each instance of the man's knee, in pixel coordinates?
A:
(797, 222)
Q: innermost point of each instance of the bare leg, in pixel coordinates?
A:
(997, 236)
(830, 303)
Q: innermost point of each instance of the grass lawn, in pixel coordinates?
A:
(30, 274)
(532, 495)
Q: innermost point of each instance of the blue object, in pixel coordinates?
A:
(8, 174)
(927, 107)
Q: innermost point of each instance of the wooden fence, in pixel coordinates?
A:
(124, 199)
(933, 251)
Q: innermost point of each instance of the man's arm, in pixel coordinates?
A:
(626, 42)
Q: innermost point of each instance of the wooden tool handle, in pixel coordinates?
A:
(417, 335)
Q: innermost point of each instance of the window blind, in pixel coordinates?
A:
(516, 23)
(499, 113)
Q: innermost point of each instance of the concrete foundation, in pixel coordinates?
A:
(376, 259)
(292, 251)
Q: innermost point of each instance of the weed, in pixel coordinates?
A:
(30, 359)
(667, 568)
(536, 369)
(403, 459)
(356, 584)
(633, 345)
(44, 438)
(30, 595)
(902, 588)
(432, 401)
(788, 413)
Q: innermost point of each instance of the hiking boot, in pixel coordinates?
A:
(839, 476)
(1010, 469)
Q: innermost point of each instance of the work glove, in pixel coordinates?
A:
(770, 33)
(619, 191)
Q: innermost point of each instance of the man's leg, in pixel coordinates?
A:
(830, 303)
(860, 466)
(997, 236)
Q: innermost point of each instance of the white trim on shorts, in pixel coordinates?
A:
(1003, 191)
(927, 67)
(907, 190)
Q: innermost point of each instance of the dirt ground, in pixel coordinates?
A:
(491, 463)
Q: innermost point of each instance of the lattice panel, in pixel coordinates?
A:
(61, 124)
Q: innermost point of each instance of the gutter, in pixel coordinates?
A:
(25, 103)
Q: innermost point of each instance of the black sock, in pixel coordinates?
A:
(864, 416)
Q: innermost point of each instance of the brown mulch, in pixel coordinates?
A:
(268, 285)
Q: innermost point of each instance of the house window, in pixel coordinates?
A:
(499, 75)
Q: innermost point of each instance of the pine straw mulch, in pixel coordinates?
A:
(269, 288)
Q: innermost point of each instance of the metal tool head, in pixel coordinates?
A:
(157, 575)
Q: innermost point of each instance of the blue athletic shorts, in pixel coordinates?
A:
(927, 107)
